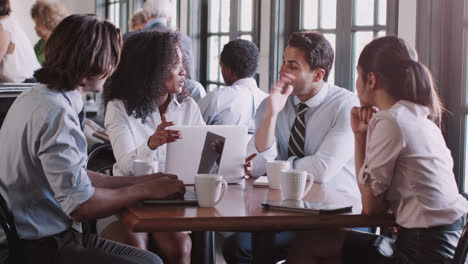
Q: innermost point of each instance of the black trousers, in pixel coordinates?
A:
(434, 245)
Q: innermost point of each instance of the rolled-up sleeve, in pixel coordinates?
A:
(384, 144)
(62, 153)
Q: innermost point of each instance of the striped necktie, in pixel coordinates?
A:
(297, 137)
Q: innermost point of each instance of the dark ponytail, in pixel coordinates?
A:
(404, 78)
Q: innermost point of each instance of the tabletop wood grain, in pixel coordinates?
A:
(241, 210)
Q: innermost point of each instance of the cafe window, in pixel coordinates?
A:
(120, 11)
(462, 111)
(116, 11)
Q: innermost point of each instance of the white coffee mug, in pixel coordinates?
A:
(274, 168)
(143, 167)
(210, 189)
(293, 184)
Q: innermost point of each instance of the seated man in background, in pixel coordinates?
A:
(304, 120)
(238, 103)
(43, 179)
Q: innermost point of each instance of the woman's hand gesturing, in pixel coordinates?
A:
(162, 135)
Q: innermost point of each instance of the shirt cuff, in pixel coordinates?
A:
(144, 152)
(259, 162)
(79, 195)
(292, 161)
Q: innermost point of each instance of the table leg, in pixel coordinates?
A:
(261, 243)
(203, 247)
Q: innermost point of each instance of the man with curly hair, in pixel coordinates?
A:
(238, 103)
(46, 15)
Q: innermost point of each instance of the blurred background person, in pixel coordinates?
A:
(138, 20)
(46, 16)
(159, 12)
(236, 104)
(17, 59)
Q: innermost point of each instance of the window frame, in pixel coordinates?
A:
(450, 72)
(102, 10)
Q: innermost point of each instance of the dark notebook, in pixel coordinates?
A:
(308, 207)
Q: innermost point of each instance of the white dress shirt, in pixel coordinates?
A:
(129, 136)
(43, 168)
(406, 157)
(329, 140)
(233, 105)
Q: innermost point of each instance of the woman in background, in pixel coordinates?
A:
(17, 59)
(402, 165)
(138, 20)
(47, 15)
(144, 98)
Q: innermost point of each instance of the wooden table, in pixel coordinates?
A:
(240, 210)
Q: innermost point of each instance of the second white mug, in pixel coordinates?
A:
(293, 184)
(210, 189)
(143, 167)
(274, 168)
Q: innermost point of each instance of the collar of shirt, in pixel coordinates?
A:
(76, 100)
(248, 82)
(155, 21)
(174, 102)
(418, 109)
(316, 100)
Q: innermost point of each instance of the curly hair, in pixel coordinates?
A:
(319, 52)
(81, 46)
(48, 13)
(241, 56)
(147, 58)
(5, 8)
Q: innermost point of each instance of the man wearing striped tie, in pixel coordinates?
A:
(304, 120)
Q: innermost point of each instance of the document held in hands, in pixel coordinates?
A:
(308, 207)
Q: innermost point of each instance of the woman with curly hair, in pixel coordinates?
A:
(143, 98)
(47, 15)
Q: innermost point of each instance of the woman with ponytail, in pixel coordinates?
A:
(402, 166)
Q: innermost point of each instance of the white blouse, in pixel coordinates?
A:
(129, 136)
(406, 157)
(20, 62)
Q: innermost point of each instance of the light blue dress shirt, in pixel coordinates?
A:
(43, 174)
(195, 89)
(329, 140)
(233, 105)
